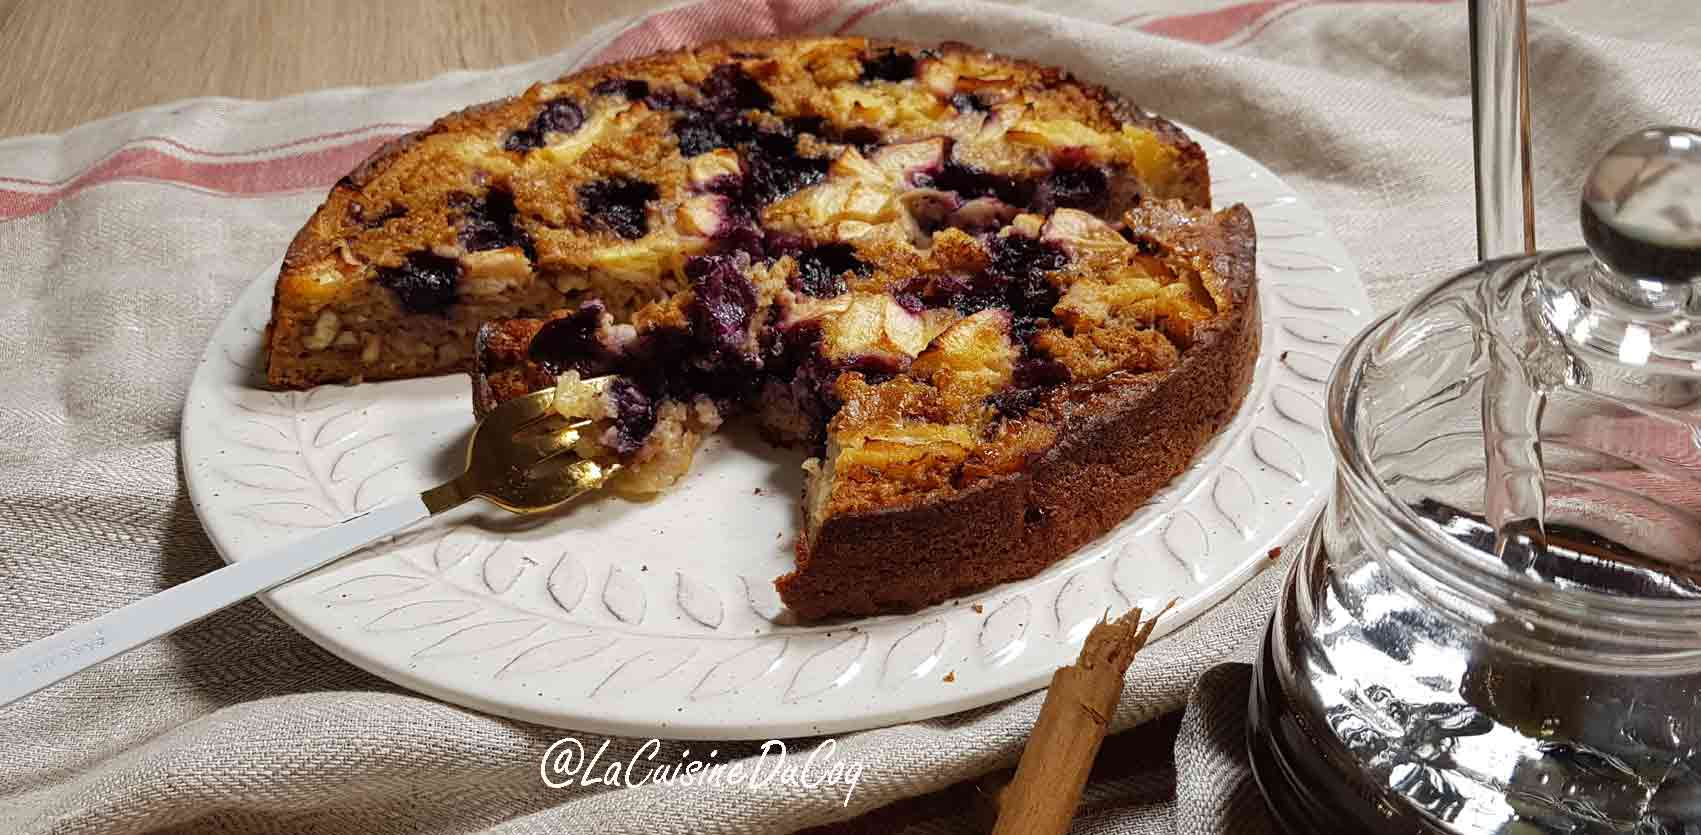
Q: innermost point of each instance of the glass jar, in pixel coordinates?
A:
(1495, 627)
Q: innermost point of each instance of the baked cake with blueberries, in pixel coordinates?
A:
(992, 300)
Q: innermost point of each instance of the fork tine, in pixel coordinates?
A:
(554, 481)
(533, 421)
(567, 469)
(522, 457)
(552, 458)
(511, 416)
(550, 445)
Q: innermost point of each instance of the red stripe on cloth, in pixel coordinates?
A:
(1261, 25)
(1214, 26)
(1251, 19)
(388, 128)
(711, 19)
(291, 173)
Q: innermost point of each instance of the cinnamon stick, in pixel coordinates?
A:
(1041, 798)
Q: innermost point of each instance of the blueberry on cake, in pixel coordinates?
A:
(992, 301)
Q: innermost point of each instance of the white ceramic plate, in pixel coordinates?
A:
(660, 618)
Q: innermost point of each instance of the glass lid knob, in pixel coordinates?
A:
(1636, 302)
(1641, 207)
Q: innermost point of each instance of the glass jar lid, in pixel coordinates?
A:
(1533, 425)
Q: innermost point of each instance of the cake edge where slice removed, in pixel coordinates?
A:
(1122, 439)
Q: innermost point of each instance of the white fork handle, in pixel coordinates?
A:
(36, 665)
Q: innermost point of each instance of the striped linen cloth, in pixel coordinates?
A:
(123, 242)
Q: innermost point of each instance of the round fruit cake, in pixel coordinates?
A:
(992, 299)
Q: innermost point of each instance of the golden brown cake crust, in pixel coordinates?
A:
(325, 237)
(1123, 437)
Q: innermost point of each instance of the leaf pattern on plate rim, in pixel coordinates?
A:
(256, 434)
(1126, 573)
(1294, 261)
(274, 477)
(1297, 406)
(1147, 576)
(556, 653)
(1234, 498)
(1278, 453)
(370, 587)
(423, 613)
(830, 667)
(363, 458)
(1306, 297)
(264, 403)
(285, 514)
(747, 666)
(644, 669)
(311, 433)
(505, 564)
(1185, 539)
(915, 654)
(1003, 635)
(567, 583)
(624, 596)
(482, 637)
(765, 600)
(340, 428)
(456, 545)
(378, 488)
(1308, 366)
(1079, 605)
(1314, 331)
(321, 398)
(700, 600)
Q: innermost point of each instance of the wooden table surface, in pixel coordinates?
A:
(65, 62)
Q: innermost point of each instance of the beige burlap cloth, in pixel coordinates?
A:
(123, 242)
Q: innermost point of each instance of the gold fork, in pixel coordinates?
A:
(520, 458)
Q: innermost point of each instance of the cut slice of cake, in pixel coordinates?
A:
(992, 300)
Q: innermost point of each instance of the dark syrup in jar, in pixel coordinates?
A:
(1396, 722)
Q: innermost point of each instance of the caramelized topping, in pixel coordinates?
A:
(918, 252)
